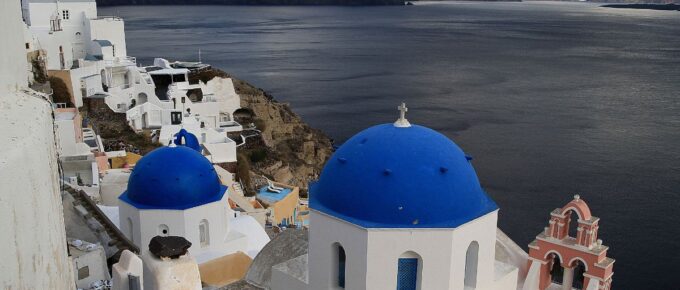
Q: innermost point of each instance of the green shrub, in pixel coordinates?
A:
(258, 155)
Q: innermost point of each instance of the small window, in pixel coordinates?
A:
(178, 79)
(28, 45)
(341, 265)
(163, 230)
(131, 231)
(204, 233)
(83, 272)
(176, 118)
(65, 14)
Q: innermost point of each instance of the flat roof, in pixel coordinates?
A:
(166, 71)
(63, 116)
(273, 196)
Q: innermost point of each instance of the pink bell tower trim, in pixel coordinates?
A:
(560, 261)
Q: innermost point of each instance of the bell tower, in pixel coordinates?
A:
(558, 259)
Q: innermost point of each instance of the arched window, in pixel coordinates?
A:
(579, 270)
(573, 223)
(131, 232)
(408, 271)
(143, 98)
(471, 258)
(163, 230)
(340, 260)
(556, 270)
(204, 233)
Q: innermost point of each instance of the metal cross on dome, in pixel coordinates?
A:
(402, 122)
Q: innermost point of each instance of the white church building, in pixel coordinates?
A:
(175, 191)
(399, 206)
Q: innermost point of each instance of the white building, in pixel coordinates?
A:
(34, 251)
(399, 206)
(68, 30)
(77, 160)
(86, 50)
(175, 191)
(210, 104)
(213, 144)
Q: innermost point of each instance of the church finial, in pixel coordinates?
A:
(402, 122)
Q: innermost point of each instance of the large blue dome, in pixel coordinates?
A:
(173, 178)
(400, 177)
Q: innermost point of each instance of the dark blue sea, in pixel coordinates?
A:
(551, 99)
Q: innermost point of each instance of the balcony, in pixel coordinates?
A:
(109, 18)
(121, 61)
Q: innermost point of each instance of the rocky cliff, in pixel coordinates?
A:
(287, 150)
(293, 152)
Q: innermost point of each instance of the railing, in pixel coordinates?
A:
(118, 61)
(118, 239)
(114, 18)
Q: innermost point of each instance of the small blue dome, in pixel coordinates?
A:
(393, 177)
(184, 138)
(173, 178)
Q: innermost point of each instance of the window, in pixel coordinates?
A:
(175, 118)
(204, 233)
(83, 272)
(179, 78)
(55, 24)
(342, 258)
(163, 230)
(131, 235)
(28, 45)
(65, 14)
(471, 258)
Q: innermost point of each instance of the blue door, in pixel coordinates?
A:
(407, 274)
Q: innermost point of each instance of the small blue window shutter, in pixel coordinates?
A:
(407, 274)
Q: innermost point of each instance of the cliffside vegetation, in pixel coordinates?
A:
(287, 150)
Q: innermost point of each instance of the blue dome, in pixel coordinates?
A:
(392, 177)
(173, 178)
(184, 138)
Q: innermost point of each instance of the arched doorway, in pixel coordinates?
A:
(556, 269)
(408, 271)
(471, 258)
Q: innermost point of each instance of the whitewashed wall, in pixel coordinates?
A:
(111, 29)
(74, 39)
(185, 223)
(324, 231)
(372, 254)
(34, 241)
